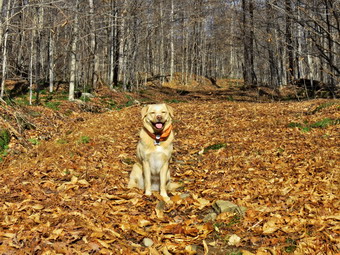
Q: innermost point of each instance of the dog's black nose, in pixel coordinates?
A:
(159, 117)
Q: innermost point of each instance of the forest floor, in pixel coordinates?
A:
(63, 184)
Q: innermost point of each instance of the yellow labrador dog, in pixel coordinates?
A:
(154, 150)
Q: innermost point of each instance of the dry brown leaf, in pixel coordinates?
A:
(234, 240)
(270, 226)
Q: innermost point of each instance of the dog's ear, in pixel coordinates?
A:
(145, 111)
(171, 110)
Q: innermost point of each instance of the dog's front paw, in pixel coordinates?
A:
(148, 193)
(166, 199)
(165, 196)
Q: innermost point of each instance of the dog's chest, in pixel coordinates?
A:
(157, 158)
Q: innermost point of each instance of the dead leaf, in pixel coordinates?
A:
(202, 203)
(103, 243)
(234, 240)
(9, 235)
(270, 226)
(83, 182)
(38, 207)
(206, 248)
(143, 223)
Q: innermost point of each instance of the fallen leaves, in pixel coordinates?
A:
(272, 225)
(281, 185)
(234, 240)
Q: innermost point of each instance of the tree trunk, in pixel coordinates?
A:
(4, 51)
(248, 38)
(116, 47)
(161, 44)
(51, 61)
(2, 7)
(121, 54)
(272, 60)
(251, 44)
(93, 48)
(31, 66)
(289, 42)
(112, 44)
(39, 46)
(330, 49)
(299, 42)
(172, 46)
(73, 63)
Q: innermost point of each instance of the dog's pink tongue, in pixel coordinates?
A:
(159, 125)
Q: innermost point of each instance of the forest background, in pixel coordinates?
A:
(125, 43)
(256, 164)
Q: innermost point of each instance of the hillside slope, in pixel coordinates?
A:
(68, 195)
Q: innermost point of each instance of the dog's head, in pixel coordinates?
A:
(157, 117)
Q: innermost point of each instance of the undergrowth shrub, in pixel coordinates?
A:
(53, 105)
(306, 127)
(5, 138)
(215, 147)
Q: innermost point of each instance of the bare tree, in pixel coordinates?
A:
(73, 53)
(5, 27)
(93, 47)
(289, 42)
(248, 42)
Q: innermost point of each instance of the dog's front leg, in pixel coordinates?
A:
(164, 179)
(147, 178)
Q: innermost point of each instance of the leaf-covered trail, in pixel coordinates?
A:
(69, 195)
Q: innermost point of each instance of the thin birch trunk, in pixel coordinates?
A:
(289, 42)
(4, 52)
(51, 61)
(172, 46)
(112, 60)
(186, 54)
(1, 21)
(73, 63)
(32, 60)
(233, 55)
(161, 46)
(121, 55)
(93, 48)
(183, 62)
(4, 64)
(300, 38)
